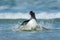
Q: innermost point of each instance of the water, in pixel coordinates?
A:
(37, 35)
(46, 11)
(7, 26)
(27, 5)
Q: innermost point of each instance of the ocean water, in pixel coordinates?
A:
(14, 12)
(7, 26)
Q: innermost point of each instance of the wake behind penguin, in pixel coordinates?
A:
(30, 24)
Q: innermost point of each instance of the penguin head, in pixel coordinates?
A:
(32, 13)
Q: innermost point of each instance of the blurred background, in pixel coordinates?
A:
(44, 9)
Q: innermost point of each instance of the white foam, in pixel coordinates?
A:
(13, 15)
(45, 15)
(42, 15)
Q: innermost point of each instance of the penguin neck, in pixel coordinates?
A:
(33, 17)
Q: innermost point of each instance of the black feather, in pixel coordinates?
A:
(25, 22)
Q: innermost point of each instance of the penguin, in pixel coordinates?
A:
(30, 24)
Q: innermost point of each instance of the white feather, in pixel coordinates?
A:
(30, 25)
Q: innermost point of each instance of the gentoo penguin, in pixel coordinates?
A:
(30, 24)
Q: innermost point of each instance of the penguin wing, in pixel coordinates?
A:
(25, 22)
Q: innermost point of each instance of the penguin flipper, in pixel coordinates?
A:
(25, 22)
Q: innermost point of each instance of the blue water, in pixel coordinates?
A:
(7, 26)
(34, 35)
(27, 5)
(12, 9)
